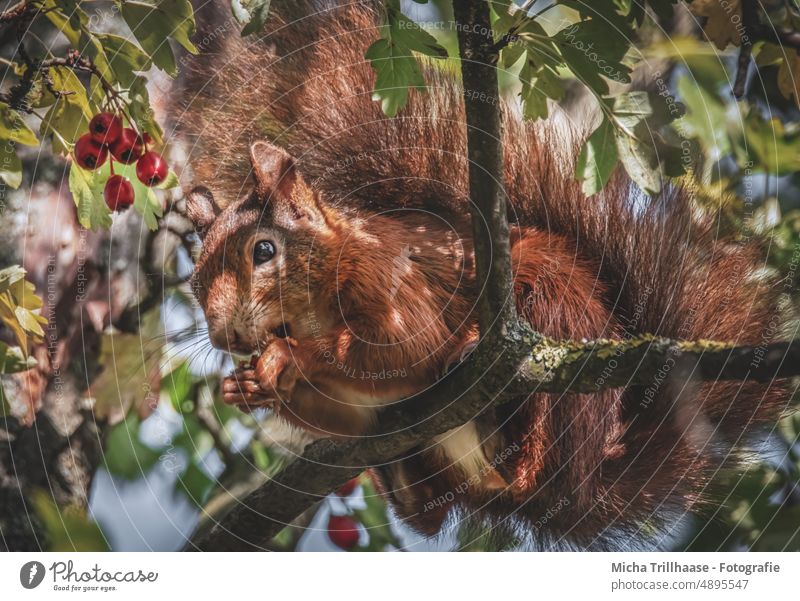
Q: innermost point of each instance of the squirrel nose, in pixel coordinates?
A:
(232, 341)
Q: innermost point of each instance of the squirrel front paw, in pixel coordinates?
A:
(265, 381)
(276, 370)
(242, 390)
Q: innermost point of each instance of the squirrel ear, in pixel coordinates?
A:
(201, 208)
(273, 168)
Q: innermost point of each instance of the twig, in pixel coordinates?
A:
(750, 24)
(212, 427)
(130, 318)
(15, 12)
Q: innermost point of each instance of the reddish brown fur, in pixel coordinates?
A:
(584, 268)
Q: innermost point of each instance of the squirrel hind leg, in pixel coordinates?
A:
(418, 498)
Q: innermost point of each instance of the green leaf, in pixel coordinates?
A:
(154, 24)
(140, 110)
(125, 58)
(412, 36)
(13, 360)
(396, 71)
(542, 49)
(87, 192)
(593, 50)
(635, 141)
(126, 456)
(10, 276)
(604, 13)
(538, 84)
(630, 109)
(193, 438)
(68, 117)
(10, 165)
(195, 483)
(68, 18)
(28, 321)
(5, 408)
(67, 529)
(170, 182)
(770, 145)
(597, 159)
(178, 385)
(639, 161)
(510, 55)
(13, 128)
(148, 204)
(394, 63)
(375, 519)
(705, 113)
(251, 13)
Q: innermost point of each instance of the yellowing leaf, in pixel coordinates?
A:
(723, 20)
(68, 528)
(789, 75)
(131, 374)
(12, 127)
(10, 165)
(18, 301)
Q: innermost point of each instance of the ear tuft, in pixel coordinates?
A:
(201, 208)
(273, 168)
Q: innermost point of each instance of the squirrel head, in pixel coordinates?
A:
(261, 255)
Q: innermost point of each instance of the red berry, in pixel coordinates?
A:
(105, 128)
(343, 531)
(346, 489)
(128, 147)
(118, 193)
(89, 153)
(151, 169)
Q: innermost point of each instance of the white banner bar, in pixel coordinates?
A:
(401, 576)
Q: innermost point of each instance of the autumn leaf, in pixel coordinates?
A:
(722, 20)
(789, 76)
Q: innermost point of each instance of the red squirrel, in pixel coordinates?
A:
(336, 245)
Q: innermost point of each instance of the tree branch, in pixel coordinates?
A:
(473, 388)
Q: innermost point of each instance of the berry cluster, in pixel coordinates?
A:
(108, 136)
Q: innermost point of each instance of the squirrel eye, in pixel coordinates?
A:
(263, 251)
